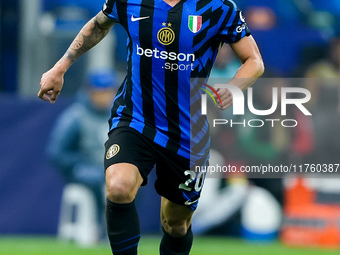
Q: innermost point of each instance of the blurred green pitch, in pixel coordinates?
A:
(149, 246)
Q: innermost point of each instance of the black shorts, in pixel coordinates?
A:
(175, 181)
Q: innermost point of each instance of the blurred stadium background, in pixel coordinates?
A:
(297, 38)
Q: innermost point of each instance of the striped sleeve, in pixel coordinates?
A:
(235, 27)
(110, 10)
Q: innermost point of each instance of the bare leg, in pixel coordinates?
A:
(122, 182)
(176, 222)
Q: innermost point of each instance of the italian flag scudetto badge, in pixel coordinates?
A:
(195, 23)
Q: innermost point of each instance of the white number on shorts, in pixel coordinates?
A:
(198, 182)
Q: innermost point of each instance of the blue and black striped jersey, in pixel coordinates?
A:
(168, 48)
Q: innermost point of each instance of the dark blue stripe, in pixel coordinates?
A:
(125, 248)
(126, 240)
(146, 75)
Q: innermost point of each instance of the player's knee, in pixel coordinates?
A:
(176, 228)
(120, 191)
(122, 183)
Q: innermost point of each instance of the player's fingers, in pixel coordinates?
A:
(42, 91)
(42, 95)
(224, 93)
(54, 96)
(225, 97)
(45, 97)
(226, 103)
(221, 93)
(43, 80)
(225, 106)
(217, 96)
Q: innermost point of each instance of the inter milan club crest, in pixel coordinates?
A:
(166, 35)
(112, 151)
(195, 23)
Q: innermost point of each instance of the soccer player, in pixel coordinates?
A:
(171, 43)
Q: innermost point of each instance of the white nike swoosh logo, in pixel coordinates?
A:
(190, 203)
(133, 19)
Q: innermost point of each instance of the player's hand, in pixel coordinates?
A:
(51, 84)
(225, 96)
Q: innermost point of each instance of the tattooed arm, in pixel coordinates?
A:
(91, 34)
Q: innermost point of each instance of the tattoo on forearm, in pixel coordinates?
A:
(88, 37)
(77, 43)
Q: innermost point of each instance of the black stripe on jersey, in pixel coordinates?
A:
(200, 4)
(201, 144)
(122, 13)
(195, 107)
(125, 99)
(108, 7)
(171, 77)
(116, 104)
(145, 65)
(198, 126)
(227, 18)
(202, 160)
(213, 17)
(127, 112)
(196, 86)
(202, 73)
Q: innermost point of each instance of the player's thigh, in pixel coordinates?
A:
(175, 218)
(128, 161)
